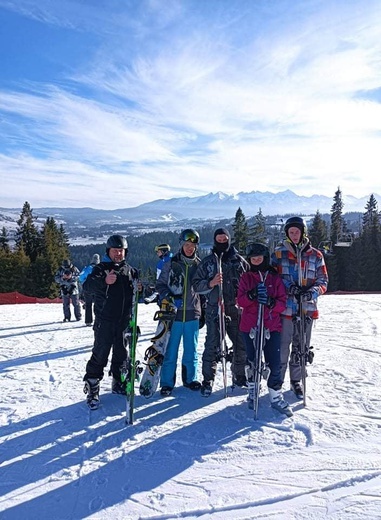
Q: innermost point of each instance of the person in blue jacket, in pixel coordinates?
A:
(88, 297)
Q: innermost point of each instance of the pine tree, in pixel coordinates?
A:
(240, 229)
(337, 220)
(27, 235)
(258, 229)
(371, 243)
(4, 242)
(318, 231)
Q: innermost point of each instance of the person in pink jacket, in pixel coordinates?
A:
(263, 286)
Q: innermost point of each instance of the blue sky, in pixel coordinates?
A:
(113, 103)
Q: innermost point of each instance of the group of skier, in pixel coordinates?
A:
(273, 288)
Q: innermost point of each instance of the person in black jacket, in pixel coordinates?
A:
(111, 281)
(207, 281)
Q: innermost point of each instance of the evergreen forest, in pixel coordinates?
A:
(351, 245)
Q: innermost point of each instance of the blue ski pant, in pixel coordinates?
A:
(288, 331)
(271, 352)
(188, 331)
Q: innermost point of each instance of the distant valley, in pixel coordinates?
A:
(92, 225)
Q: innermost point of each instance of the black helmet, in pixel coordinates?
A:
(66, 264)
(164, 248)
(257, 249)
(117, 242)
(297, 222)
(189, 235)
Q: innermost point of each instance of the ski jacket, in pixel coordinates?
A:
(301, 265)
(112, 302)
(175, 281)
(275, 289)
(163, 260)
(233, 266)
(68, 285)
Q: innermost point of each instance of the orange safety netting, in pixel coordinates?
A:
(16, 297)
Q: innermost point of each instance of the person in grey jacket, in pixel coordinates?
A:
(67, 278)
(174, 285)
(207, 281)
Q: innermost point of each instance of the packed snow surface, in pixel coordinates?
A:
(187, 456)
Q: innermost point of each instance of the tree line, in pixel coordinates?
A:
(353, 258)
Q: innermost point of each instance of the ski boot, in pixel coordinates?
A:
(297, 388)
(251, 394)
(166, 391)
(278, 403)
(118, 387)
(206, 389)
(91, 388)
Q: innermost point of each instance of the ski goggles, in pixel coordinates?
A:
(190, 237)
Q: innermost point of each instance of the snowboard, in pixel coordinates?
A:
(154, 355)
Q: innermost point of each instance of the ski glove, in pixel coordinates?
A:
(252, 294)
(295, 290)
(262, 295)
(307, 296)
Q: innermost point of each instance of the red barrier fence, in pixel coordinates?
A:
(16, 297)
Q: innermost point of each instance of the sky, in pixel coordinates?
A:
(187, 456)
(114, 103)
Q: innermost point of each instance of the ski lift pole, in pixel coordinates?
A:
(222, 327)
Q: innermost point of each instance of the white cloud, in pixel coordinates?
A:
(189, 100)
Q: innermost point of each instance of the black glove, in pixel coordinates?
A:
(71, 289)
(270, 302)
(262, 295)
(307, 296)
(252, 294)
(64, 289)
(295, 290)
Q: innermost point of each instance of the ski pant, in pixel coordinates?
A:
(66, 306)
(188, 330)
(212, 344)
(107, 334)
(288, 331)
(89, 300)
(271, 352)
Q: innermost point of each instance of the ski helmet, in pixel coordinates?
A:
(66, 264)
(189, 235)
(117, 242)
(257, 249)
(164, 248)
(297, 222)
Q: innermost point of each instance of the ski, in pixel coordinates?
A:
(299, 350)
(257, 368)
(154, 355)
(223, 348)
(130, 369)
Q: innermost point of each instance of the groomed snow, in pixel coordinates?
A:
(187, 456)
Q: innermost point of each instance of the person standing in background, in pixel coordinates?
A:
(88, 297)
(67, 278)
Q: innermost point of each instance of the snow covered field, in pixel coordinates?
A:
(187, 456)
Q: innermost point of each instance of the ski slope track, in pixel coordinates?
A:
(187, 456)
